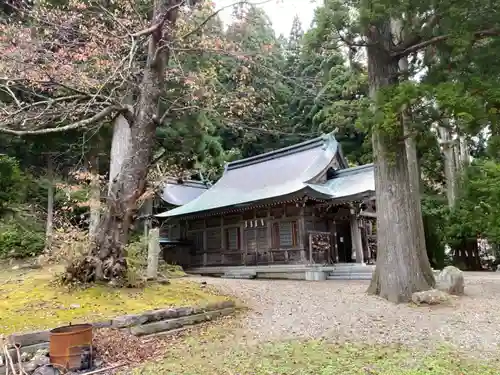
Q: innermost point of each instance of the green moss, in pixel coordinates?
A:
(210, 356)
(31, 301)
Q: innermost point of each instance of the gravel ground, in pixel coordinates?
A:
(340, 310)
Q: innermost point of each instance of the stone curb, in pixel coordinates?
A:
(153, 320)
(170, 324)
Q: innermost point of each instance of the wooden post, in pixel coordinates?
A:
(223, 244)
(243, 243)
(311, 249)
(269, 233)
(357, 242)
(303, 236)
(335, 244)
(205, 244)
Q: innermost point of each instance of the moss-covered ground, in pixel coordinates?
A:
(30, 300)
(219, 351)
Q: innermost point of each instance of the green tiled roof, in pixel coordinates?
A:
(348, 184)
(178, 192)
(274, 174)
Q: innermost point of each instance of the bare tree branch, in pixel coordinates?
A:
(198, 27)
(419, 46)
(159, 23)
(76, 125)
(416, 37)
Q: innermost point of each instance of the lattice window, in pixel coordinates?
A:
(233, 238)
(214, 239)
(262, 244)
(285, 234)
(250, 240)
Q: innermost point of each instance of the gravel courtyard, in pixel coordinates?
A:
(340, 310)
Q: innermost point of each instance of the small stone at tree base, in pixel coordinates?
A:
(163, 281)
(46, 370)
(429, 297)
(451, 281)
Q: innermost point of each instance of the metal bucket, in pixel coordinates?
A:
(71, 347)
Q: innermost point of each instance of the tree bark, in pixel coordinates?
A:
(450, 164)
(107, 259)
(400, 270)
(119, 148)
(415, 180)
(95, 197)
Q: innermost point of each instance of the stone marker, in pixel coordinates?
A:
(429, 297)
(451, 281)
(153, 253)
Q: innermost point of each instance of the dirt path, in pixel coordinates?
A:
(340, 310)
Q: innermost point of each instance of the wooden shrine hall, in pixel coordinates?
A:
(299, 205)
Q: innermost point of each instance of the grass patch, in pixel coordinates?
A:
(30, 301)
(216, 353)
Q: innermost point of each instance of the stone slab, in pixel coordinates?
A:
(316, 275)
(30, 349)
(103, 324)
(29, 338)
(126, 321)
(167, 325)
(171, 313)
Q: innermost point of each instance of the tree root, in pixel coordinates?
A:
(91, 269)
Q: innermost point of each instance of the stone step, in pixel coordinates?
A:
(342, 272)
(239, 275)
(352, 276)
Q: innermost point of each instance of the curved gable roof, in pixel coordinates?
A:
(350, 183)
(180, 193)
(273, 174)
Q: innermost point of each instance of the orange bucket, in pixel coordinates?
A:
(71, 347)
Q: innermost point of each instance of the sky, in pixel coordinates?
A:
(281, 12)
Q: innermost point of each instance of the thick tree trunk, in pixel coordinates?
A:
(119, 147)
(107, 260)
(450, 164)
(415, 180)
(400, 270)
(95, 197)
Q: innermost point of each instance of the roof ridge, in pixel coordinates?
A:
(289, 150)
(353, 170)
(191, 183)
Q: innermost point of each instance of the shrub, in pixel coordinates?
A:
(18, 241)
(12, 182)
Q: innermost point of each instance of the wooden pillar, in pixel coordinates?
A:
(357, 242)
(303, 237)
(243, 243)
(205, 244)
(335, 243)
(269, 234)
(223, 244)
